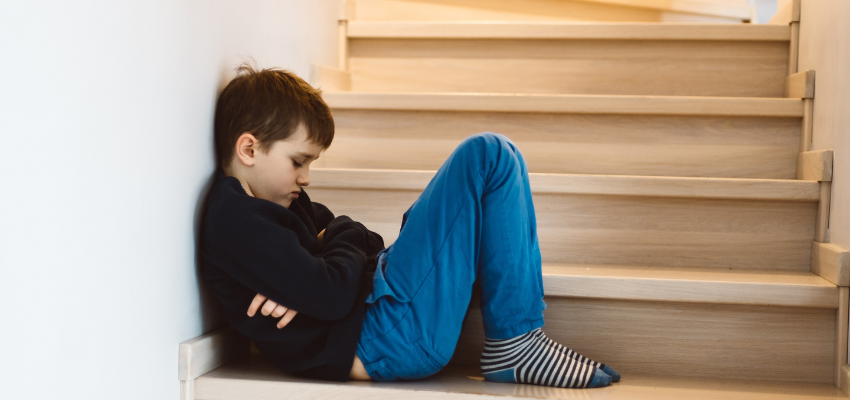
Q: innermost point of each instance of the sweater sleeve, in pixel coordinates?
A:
(323, 216)
(325, 220)
(374, 241)
(269, 259)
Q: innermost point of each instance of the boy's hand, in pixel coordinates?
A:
(273, 309)
(321, 237)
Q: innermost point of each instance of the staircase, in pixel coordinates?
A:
(681, 214)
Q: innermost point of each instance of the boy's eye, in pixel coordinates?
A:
(297, 165)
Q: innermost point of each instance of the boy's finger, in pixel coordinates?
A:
(255, 304)
(278, 311)
(268, 307)
(290, 314)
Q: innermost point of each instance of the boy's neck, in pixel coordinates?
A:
(246, 187)
(242, 180)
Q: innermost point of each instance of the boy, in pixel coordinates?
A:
(264, 243)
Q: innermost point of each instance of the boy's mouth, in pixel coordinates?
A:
(295, 194)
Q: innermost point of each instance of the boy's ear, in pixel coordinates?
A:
(246, 146)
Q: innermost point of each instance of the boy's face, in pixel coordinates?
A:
(279, 175)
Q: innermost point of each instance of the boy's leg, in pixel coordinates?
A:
(426, 287)
(475, 219)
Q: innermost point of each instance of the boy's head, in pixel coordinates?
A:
(269, 126)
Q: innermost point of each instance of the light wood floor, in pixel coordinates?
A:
(254, 378)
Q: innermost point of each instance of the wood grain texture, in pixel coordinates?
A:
(794, 48)
(832, 262)
(822, 218)
(253, 378)
(573, 184)
(342, 49)
(609, 144)
(844, 382)
(329, 79)
(795, 10)
(593, 66)
(187, 389)
(347, 10)
(736, 10)
(565, 103)
(697, 285)
(584, 228)
(566, 30)
(800, 85)
(677, 339)
(516, 10)
(815, 165)
(841, 327)
(209, 351)
(542, 10)
(807, 125)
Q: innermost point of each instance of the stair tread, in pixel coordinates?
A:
(549, 11)
(730, 10)
(625, 185)
(689, 284)
(567, 30)
(568, 103)
(253, 377)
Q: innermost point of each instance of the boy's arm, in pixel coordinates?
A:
(273, 309)
(277, 266)
(323, 216)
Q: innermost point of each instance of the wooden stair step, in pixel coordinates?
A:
(716, 340)
(678, 284)
(622, 185)
(554, 57)
(576, 134)
(574, 143)
(251, 377)
(619, 219)
(565, 30)
(566, 103)
(543, 10)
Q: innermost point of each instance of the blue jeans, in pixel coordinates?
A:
(473, 224)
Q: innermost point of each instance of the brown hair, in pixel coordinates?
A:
(270, 104)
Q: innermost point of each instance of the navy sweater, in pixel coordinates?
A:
(250, 245)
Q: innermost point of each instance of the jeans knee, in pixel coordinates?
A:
(489, 151)
(488, 142)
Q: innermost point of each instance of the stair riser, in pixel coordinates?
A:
(655, 145)
(684, 339)
(631, 230)
(633, 67)
(530, 10)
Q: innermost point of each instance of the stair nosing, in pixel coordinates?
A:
(568, 103)
(624, 185)
(684, 285)
(566, 30)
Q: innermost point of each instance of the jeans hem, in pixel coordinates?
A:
(514, 331)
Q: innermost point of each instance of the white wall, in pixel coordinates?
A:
(765, 10)
(106, 119)
(825, 48)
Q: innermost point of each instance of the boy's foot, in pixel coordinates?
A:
(528, 358)
(615, 376)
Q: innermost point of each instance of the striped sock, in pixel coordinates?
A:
(615, 376)
(527, 358)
